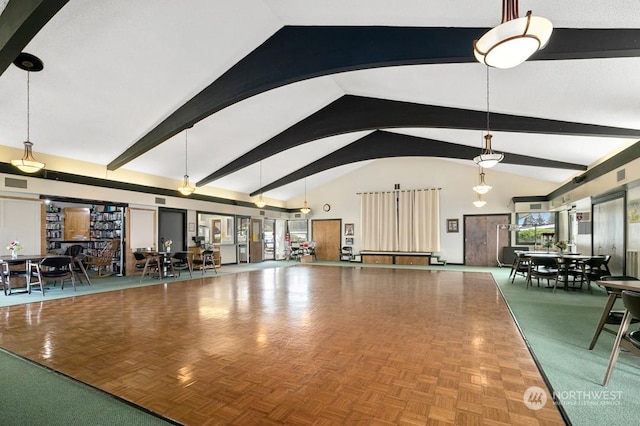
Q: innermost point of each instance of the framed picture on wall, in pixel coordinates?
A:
(348, 241)
(452, 225)
(348, 229)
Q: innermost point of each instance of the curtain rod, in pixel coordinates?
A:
(398, 190)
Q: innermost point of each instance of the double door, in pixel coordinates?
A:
(483, 239)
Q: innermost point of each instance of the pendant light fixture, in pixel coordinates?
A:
(27, 163)
(514, 40)
(260, 202)
(305, 207)
(186, 188)
(482, 188)
(488, 158)
(479, 202)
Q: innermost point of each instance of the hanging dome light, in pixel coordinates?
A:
(482, 188)
(479, 202)
(487, 157)
(514, 40)
(305, 207)
(186, 188)
(27, 163)
(260, 202)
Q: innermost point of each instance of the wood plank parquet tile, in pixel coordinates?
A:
(302, 345)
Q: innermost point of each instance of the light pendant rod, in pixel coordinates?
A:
(487, 157)
(260, 203)
(305, 207)
(28, 164)
(186, 188)
(514, 40)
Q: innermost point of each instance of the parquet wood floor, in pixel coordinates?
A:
(302, 345)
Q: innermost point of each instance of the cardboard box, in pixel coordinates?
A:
(307, 258)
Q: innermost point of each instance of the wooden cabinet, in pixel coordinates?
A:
(376, 258)
(412, 260)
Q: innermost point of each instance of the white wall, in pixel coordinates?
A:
(455, 179)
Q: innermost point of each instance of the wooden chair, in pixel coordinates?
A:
(542, 267)
(181, 261)
(205, 261)
(51, 268)
(147, 262)
(631, 302)
(103, 261)
(520, 266)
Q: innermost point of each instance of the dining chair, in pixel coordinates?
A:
(11, 273)
(520, 266)
(631, 301)
(594, 268)
(609, 315)
(181, 261)
(50, 269)
(544, 267)
(206, 261)
(147, 262)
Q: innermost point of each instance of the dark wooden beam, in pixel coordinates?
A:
(297, 53)
(382, 144)
(355, 113)
(20, 21)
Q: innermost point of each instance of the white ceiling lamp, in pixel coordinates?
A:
(483, 187)
(479, 202)
(27, 163)
(514, 40)
(186, 188)
(488, 158)
(305, 207)
(260, 202)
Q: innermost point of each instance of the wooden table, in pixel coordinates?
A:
(616, 285)
(19, 260)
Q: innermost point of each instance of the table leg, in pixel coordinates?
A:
(83, 269)
(603, 318)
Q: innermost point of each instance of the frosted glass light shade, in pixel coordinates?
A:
(513, 42)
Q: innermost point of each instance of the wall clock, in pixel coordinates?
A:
(326, 207)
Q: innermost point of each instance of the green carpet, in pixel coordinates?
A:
(558, 328)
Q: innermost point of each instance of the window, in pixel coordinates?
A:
(533, 226)
(298, 230)
(216, 229)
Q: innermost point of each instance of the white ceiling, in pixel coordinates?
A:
(115, 69)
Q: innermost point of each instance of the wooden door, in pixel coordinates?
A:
(77, 221)
(255, 241)
(326, 235)
(482, 241)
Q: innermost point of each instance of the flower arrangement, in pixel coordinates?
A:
(14, 246)
(167, 243)
(562, 245)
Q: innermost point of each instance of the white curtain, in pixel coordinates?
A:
(426, 221)
(378, 219)
(406, 221)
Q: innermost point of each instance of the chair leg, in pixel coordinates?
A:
(626, 320)
(603, 318)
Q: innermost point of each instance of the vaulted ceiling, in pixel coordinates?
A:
(314, 89)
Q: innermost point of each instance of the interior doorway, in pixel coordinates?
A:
(482, 241)
(327, 237)
(242, 238)
(256, 241)
(172, 224)
(269, 248)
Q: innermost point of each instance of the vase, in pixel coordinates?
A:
(14, 254)
(168, 249)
